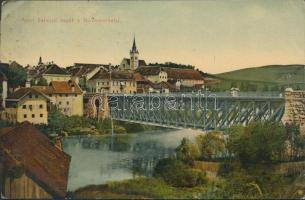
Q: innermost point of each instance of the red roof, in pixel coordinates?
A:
(174, 73)
(26, 146)
(59, 87)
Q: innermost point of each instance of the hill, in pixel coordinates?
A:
(265, 78)
(282, 74)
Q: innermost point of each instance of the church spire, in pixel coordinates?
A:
(134, 46)
(40, 61)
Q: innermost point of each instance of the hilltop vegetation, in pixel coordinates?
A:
(265, 78)
(173, 65)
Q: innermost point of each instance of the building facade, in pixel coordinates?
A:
(49, 72)
(66, 95)
(81, 72)
(112, 82)
(26, 104)
(154, 74)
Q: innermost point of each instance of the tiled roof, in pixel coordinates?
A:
(115, 75)
(23, 92)
(175, 73)
(82, 69)
(54, 69)
(26, 146)
(155, 70)
(59, 87)
(139, 77)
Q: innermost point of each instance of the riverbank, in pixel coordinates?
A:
(138, 188)
(59, 124)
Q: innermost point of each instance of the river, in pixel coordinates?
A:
(100, 159)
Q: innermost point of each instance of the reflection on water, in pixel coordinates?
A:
(96, 161)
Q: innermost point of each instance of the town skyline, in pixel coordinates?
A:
(213, 36)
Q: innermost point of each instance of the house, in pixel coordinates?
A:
(154, 74)
(146, 86)
(81, 72)
(112, 82)
(66, 95)
(33, 168)
(26, 104)
(49, 72)
(187, 77)
(133, 62)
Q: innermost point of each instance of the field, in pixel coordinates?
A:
(265, 78)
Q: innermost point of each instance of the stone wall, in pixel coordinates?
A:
(90, 106)
(295, 108)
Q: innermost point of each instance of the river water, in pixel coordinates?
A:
(100, 159)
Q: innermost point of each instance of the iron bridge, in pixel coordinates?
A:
(196, 111)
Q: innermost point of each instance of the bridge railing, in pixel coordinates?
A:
(241, 95)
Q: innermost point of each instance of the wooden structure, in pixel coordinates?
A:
(31, 166)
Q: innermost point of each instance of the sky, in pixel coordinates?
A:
(213, 35)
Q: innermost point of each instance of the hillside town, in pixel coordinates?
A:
(26, 101)
(65, 87)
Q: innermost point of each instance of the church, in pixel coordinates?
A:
(133, 62)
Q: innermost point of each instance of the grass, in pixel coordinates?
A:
(268, 74)
(138, 188)
(265, 78)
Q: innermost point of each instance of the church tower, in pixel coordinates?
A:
(134, 56)
(40, 61)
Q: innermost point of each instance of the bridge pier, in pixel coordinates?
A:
(96, 106)
(295, 108)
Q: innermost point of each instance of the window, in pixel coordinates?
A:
(40, 106)
(50, 95)
(30, 96)
(30, 107)
(33, 115)
(41, 115)
(75, 95)
(24, 107)
(25, 116)
(36, 96)
(66, 95)
(60, 95)
(68, 102)
(59, 103)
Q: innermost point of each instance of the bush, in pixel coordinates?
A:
(176, 173)
(187, 151)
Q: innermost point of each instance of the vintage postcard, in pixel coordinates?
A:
(152, 99)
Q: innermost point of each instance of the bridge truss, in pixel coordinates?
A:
(197, 111)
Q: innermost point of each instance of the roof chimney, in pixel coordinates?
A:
(58, 143)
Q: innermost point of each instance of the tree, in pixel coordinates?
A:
(42, 82)
(187, 151)
(211, 145)
(16, 76)
(260, 142)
